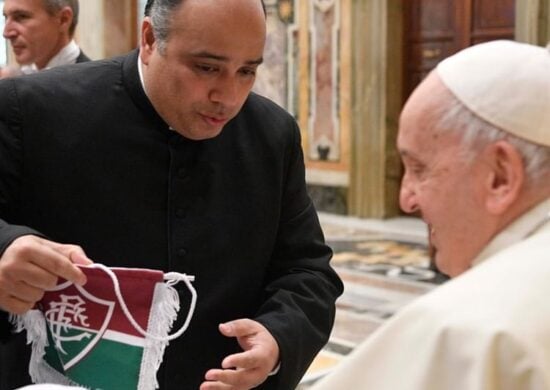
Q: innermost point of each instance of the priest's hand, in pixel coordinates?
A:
(31, 265)
(250, 368)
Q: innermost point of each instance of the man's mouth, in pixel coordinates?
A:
(17, 48)
(214, 120)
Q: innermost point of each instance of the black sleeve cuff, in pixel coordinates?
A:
(8, 233)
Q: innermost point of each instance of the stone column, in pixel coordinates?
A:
(533, 21)
(376, 102)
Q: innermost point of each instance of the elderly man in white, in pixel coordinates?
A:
(475, 142)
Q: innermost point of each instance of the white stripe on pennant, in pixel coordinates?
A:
(124, 338)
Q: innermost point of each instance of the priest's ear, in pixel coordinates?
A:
(505, 178)
(148, 42)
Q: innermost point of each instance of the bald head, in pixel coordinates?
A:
(149, 4)
(161, 13)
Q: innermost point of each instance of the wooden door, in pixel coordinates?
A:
(435, 29)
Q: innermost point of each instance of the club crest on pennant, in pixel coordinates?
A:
(75, 322)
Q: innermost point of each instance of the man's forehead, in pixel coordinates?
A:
(27, 6)
(419, 138)
(241, 36)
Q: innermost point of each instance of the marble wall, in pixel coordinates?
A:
(306, 71)
(324, 119)
(276, 78)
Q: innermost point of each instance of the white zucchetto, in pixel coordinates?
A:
(506, 83)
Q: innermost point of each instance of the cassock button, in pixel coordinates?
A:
(182, 252)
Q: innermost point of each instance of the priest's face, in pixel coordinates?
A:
(200, 78)
(441, 183)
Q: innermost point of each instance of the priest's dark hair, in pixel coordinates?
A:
(160, 11)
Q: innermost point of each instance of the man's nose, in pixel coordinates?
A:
(407, 197)
(9, 30)
(225, 91)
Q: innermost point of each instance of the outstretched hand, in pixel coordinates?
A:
(250, 368)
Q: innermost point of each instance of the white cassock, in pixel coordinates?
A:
(487, 329)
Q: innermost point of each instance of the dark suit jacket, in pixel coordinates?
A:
(85, 159)
(82, 57)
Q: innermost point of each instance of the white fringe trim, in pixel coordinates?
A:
(164, 311)
(39, 371)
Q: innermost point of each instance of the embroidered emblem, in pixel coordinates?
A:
(76, 322)
(70, 311)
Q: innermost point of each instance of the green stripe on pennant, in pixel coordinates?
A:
(112, 364)
(109, 366)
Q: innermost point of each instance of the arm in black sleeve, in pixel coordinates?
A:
(302, 288)
(10, 171)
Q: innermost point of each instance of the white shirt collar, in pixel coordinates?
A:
(140, 71)
(533, 221)
(142, 80)
(65, 56)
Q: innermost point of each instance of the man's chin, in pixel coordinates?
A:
(23, 60)
(199, 135)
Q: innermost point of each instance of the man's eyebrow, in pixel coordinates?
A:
(217, 57)
(255, 62)
(17, 11)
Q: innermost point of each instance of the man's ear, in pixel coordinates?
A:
(506, 176)
(65, 19)
(147, 42)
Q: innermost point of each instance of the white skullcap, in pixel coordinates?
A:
(505, 83)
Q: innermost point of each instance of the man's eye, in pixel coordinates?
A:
(206, 68)
(248, 72)
(415, 170)
(20, 17)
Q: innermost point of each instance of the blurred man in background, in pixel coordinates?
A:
(41, 34)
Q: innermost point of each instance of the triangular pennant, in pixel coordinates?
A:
(110, 333)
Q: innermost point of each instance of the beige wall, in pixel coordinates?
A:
(90, 28)
(107, 27)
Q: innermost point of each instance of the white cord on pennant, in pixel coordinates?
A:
(172, 279)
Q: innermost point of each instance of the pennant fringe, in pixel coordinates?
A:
(39, 371)
(164, 311)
